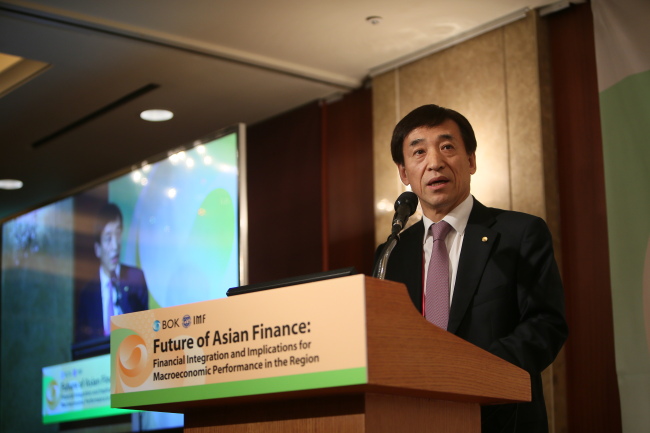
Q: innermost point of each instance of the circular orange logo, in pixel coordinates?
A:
(134, 365)
(53, 394)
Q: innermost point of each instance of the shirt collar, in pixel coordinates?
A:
(105, 278)
(457, 218)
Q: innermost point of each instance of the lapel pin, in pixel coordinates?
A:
(485, 239)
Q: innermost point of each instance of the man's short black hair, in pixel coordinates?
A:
(429, 116)
(107, 214)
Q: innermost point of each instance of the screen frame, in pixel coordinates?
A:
(242, 202)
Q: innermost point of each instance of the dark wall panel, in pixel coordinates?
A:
(592, 389)
(310, 189)
(284, 195)
(349, 166)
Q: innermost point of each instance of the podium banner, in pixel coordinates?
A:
(294, 338)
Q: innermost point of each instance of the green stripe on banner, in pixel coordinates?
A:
(85, 414)
(328, 379)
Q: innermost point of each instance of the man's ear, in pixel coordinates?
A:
(472, 163)
(98, 250)
(402, 174)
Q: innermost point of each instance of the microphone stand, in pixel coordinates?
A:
(380, 266)
(405, 206)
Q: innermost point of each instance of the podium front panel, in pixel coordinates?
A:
(290, 339)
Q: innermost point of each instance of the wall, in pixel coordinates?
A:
(349, 229)
(500, 83)
(310, 190)
(284, 195)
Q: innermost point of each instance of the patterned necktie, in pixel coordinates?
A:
(437, 290)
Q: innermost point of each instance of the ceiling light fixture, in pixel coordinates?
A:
(156, 115)
(10, 184)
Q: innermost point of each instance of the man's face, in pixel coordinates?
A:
(437, 167)
(107, 249)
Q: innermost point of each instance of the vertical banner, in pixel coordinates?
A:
(623, 59)
(294, 338)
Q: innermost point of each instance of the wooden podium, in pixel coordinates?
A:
(419, 379)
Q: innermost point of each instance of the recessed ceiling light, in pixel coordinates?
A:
(156, 115)
(374, 19)
(10, 184)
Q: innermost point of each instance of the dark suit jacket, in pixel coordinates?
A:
(133, 296)
(508, 299)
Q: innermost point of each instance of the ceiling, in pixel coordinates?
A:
(93, 66)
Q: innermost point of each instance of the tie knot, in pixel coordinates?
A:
(440, 229)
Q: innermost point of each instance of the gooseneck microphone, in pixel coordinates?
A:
(405, 206)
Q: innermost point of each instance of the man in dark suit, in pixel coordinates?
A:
(117, 289)
(505, 292)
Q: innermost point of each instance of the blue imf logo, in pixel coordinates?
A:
(187, 321)
(156, 325)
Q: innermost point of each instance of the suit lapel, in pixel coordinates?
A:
(476, 250)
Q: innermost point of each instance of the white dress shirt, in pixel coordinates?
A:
(109, 294)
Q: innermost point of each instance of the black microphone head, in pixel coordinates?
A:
(407, 198)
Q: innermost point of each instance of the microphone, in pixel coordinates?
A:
(405, 206)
